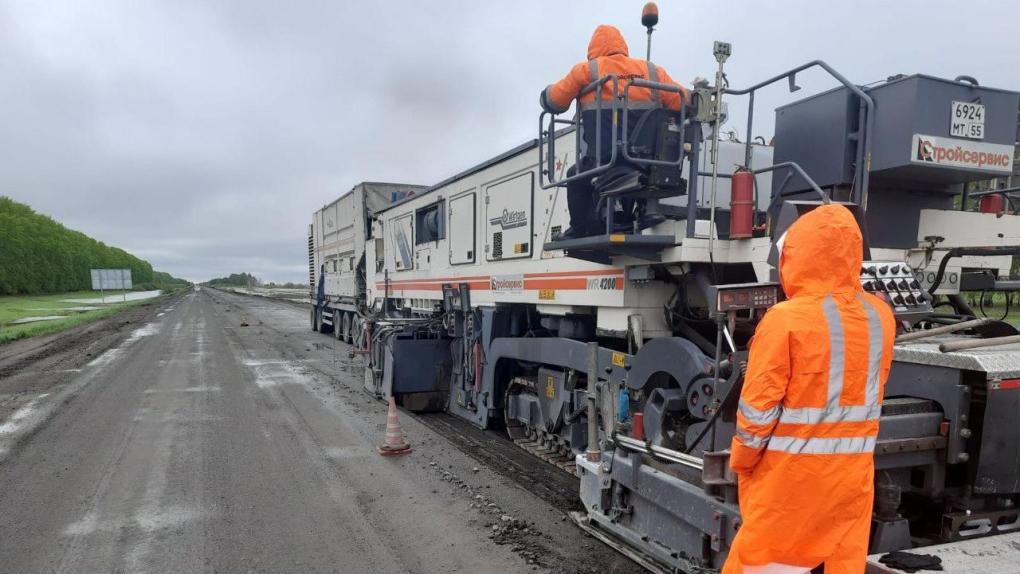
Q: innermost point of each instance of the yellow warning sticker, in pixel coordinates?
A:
(550, 387)
(618, 359)
(617, 238)
(546, 294)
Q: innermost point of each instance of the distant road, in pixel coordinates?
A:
(196, 444)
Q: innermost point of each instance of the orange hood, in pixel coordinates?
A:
(606, 40)
(822, 253)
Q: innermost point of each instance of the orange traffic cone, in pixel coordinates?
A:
(395, 442)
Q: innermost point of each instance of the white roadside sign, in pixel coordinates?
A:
(103, 279)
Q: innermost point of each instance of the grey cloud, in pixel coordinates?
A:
(201, 135)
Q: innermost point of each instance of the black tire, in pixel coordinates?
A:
(337, 320)
(315, 319)
(323, 327)
(346, 328)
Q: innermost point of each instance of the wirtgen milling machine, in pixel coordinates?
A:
(620, 356)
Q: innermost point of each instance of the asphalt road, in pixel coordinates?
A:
(216, 433)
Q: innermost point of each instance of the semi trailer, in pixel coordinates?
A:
(619, 357)
(337, 238)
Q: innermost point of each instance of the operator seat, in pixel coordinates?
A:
(654, 134)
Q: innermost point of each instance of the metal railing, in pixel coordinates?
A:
(548, 136)
(624, 144)
(619, 140)
(1007, 194)
(866, 115)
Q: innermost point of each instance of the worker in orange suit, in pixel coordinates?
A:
(808, 414)
(607, 54)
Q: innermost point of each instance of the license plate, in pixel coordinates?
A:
(967, 120)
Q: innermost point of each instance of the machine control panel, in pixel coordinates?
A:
(744, 297)
(895, 282)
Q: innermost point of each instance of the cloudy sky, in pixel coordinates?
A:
(201, 134)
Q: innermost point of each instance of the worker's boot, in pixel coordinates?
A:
(571, 233)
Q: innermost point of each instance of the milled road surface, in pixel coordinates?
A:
(216, 433)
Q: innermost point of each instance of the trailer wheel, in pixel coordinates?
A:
(347, 328)
(337, 332)
(323, 327)
(315, 319)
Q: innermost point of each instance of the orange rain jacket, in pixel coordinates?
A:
(608, 54)
(808, 414)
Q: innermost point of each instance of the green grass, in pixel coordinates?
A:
(1013, 318)
(994, 307)
(18, 306)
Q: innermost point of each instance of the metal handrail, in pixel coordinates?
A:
(1003, 191)
(793, 165)
(551, 136)
(550, 161)
(619, 141)
(867, 112)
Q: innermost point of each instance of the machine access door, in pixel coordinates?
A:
(508, 217)
(462, 229)
(402, 250)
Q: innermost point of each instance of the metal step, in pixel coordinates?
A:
(602, 248)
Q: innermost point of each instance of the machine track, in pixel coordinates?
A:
(535, 474)
(537, 442)
(552, 456)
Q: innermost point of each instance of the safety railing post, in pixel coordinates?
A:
(592, 452)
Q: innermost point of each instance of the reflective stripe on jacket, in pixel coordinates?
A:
(809, 410)
(608, 54)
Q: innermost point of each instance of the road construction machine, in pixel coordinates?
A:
(619, 356)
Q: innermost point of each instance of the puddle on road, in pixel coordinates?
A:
(24, 320)
(17, 420)
(149, 521)
(148, 330)
(196, 389)
(344, 452)
(105, 359)
(274, 373)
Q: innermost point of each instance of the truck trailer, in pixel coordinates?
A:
(336, 254)
(619, 357)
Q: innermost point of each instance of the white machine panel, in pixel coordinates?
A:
(461, 229)
(508, 207)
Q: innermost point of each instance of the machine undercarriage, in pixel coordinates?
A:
(637, 396)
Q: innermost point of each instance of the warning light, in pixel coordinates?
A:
(649, 15)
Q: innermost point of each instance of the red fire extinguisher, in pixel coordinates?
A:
(741, 204)
(993, 203)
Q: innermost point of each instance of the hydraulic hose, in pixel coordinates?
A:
(960, 251)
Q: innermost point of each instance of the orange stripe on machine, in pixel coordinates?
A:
(600, 280)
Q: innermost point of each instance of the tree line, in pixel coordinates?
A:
(39, 255)
(235, 280)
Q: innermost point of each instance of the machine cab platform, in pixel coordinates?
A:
(632, 158)
(602, 248)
